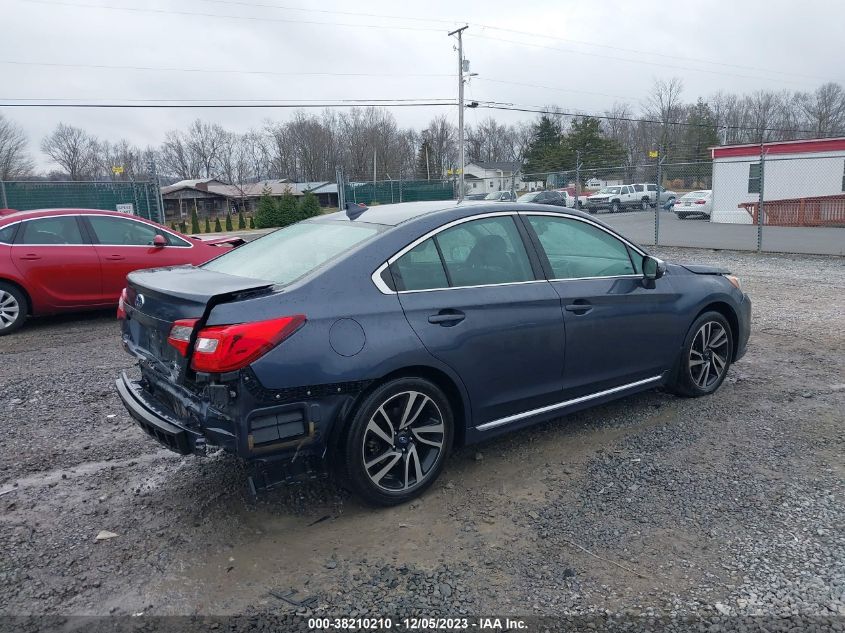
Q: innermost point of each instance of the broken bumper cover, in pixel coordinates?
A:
(156, 421)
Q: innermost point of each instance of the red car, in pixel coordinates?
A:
(66, 260)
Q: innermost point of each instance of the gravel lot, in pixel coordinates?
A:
(651, 507)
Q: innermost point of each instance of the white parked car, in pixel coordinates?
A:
(648, 192)
(615, 199)
(697, 203)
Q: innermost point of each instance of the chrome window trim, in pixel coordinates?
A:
(77, 215)
(562, 405)
(376, 278)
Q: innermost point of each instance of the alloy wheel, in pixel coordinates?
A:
(708, 355)
(403, 441)
(9, 309)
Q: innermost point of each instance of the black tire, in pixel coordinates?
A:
(645, 205)
(14, 308)
(614, 207)
(363, 445)
(681, 216)
(690, 379)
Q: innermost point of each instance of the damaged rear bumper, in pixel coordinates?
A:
(156, 421)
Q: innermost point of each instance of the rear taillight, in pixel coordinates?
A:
(222, 348)
(121, 305)
(701, 202)
(180, 334)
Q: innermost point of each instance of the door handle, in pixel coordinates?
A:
(447, 318)
(115, 258)
(30, 257)
(579, 307)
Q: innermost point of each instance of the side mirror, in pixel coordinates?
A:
(653, 268)
(159, 241)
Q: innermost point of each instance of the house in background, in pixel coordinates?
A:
(214, 198)
(488, 177)
(803, 182)
(326, 191)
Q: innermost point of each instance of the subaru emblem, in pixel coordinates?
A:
(139, 301)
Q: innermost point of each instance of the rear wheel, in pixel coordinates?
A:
(645, 205)
(681, 216)
(13, 308)
(705, 357)
(614, 207)
(398, 441)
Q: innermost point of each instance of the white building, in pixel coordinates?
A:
(794, 171)
(487, 177)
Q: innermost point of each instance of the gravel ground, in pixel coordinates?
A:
(727, 510)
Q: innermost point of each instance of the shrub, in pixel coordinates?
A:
(182, 228)
(195, 222)
(309, 206)
(288, 212)
(217, 227)
(229, 222)
(173, 226)
(251, 222)
(266, 214)
(241, 222)
(207, 225)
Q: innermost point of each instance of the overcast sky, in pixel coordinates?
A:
(580, 56)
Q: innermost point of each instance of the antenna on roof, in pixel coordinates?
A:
(354, 210)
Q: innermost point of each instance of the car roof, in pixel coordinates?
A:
(37, 213)
(395, 214)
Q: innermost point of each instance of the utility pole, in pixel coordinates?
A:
(459, 33)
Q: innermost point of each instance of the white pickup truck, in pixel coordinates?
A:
(617, 198)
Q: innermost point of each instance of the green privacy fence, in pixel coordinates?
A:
(110, 196)
(390, 191)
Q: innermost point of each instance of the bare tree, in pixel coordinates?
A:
(14, 159)
(72, 149)
(664, 105)
(825, 110)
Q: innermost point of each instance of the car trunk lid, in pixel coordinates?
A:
(157, 298)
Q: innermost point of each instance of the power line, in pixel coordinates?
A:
(510, 30)
(217, 70)
(629, 60)
(229, 16)
(513, 107)
(384, 103)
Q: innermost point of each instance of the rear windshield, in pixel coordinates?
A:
(528, 197)
(292, 252)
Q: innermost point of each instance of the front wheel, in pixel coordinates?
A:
(645, 205)
(705, 357)
(614, 207)
(398, 441)
(13, 308)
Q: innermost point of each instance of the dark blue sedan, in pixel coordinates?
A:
(371, 342)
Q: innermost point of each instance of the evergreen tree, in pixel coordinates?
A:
(173, 225)
(182, 228)
(251, 222)
(266, 214)
(241, 222)
(545, 144)
(217, 227)
(195, 222)
(229, 222)
(288, 210)
(309, 206)
(207, 225)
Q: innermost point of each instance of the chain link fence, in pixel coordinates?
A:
(393, 191)
(138, 198)
(765, 202)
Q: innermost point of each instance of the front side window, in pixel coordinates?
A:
(58, 230)
(292, 252)
(576, 249)
(114, 231)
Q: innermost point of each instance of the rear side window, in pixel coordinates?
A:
(115, 231)
(638, 187)
(7, 233)
(481, 252)
(576, 249)
(58, 230)
(420, 268)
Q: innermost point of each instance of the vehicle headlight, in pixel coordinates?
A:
(734, 281)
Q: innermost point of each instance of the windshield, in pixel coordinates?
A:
(493, 196)
(292, 252)
(610, 190)
(528, 197)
